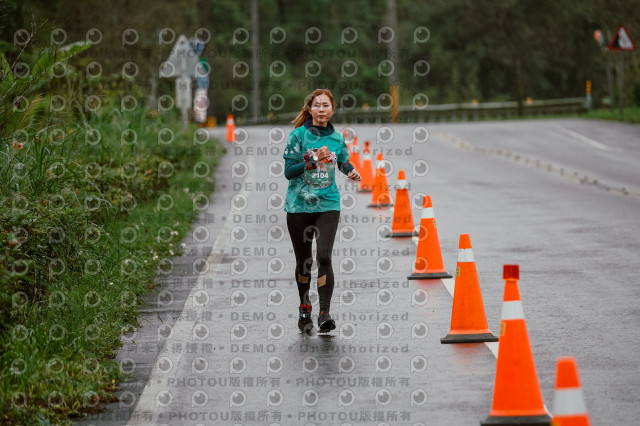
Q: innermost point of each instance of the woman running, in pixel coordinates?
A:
(313, 151)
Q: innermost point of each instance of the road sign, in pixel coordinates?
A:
(597, 35)
(182, 60)
(200, 104)
(183, 92)
(621, 41)
(182, 63)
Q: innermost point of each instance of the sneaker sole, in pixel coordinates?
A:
(305, 326)
(327, 326)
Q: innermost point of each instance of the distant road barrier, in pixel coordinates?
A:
(445, 112)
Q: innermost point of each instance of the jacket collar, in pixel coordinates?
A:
(318, 130)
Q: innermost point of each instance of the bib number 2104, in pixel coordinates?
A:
(321, 176)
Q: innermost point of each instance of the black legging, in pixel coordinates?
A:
(302, 228)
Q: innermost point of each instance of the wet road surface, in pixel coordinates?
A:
(219, 343)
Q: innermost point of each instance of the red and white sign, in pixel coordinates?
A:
(621, 41)
(200, 105)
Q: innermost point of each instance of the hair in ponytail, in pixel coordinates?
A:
(305, 112)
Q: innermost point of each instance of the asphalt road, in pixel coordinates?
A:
(561, 198)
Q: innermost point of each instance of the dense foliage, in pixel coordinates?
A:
(96, 190)
(476, 49)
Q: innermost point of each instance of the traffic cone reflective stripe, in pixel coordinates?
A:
(428, 262)
(569, 408)
(402, 225)
(231, 129)
(427, 213)
(512, 310)
(380, 196)
(517, 399)
(569, 403)
(468, 319)
(465, 255)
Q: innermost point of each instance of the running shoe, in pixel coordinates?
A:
(325, 322)
(305, 323)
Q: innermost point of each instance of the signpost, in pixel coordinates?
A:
(201, 100)
(602, 41)
(621, 42)
(181, 64)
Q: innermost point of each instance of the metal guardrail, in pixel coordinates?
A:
(446, 112)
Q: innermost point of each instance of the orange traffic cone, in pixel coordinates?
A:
(380, 196)
(402, 225)
(366, 183)
(231, 129)
(516, 395)
(468, 320)
(569, 408)
(354, 158)
(428, 262)
(345, 136)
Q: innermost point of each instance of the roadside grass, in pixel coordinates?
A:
(85, 227)
(629, 114)
(95, 195)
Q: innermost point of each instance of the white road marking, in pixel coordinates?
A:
(182, 328)
(587, 140)
(522, 159)
(449, 284)
(493, 347)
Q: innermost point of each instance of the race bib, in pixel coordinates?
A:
(319, 174)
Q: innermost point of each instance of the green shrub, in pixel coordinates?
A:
(73, 184)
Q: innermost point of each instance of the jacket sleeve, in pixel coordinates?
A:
(293, 168)
(343, 157)
(345, 167)
(293, 150)
(293, 162)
